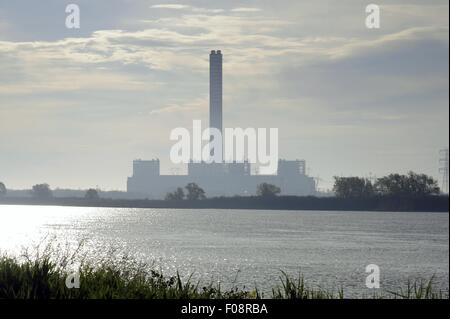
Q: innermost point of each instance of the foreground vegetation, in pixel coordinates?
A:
(43, 277)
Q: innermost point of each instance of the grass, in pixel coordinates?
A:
(298, 289)
(43, 276)
(420, 290)
(43, 279)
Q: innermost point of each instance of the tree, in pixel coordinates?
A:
(194, 192)
(91, 194)
(410, 184)
(2, 189)
(267, 190)
(41, 191)
(347, 187)
(176, 195)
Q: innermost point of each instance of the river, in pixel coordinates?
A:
(248, 247)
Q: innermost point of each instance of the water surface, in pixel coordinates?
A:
(249, 247)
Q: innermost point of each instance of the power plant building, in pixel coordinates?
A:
(219, 179)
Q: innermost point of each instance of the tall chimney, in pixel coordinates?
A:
(215, 90)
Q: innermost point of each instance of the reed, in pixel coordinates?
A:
(43, 276)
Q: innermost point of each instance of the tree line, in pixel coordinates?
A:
(191, 191)
(195, 192)
(43, 191)
(411, 184)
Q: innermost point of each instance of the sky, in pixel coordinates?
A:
(78, 105)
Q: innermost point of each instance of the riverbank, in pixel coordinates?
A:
(376, 203)
(44, 278)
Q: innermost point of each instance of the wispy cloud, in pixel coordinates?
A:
(186, 7)
(166, 49)
(170, 6)
(386, 42)
(176, 6)
(244, 9)
(187, 106)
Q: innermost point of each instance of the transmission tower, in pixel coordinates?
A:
(443, 169)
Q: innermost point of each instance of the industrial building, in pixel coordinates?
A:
(219, 179)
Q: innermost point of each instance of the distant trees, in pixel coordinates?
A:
(41, 191)
(347, 187)
(411, 184)
(2, 189)
(194, 192)
(267, 190)
(176, 195)
(91, 194)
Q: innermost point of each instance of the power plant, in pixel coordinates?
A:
(215, 90)
(219, 178)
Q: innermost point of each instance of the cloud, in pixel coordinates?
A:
(64, 80)
(164, 47)
(243, 9)
(437, 33)
(186, 7)
(198, 104)
(170, 6)
(174, 6)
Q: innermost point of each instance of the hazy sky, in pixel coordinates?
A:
(78, 105)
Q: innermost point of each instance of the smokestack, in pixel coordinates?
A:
(215, 90)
